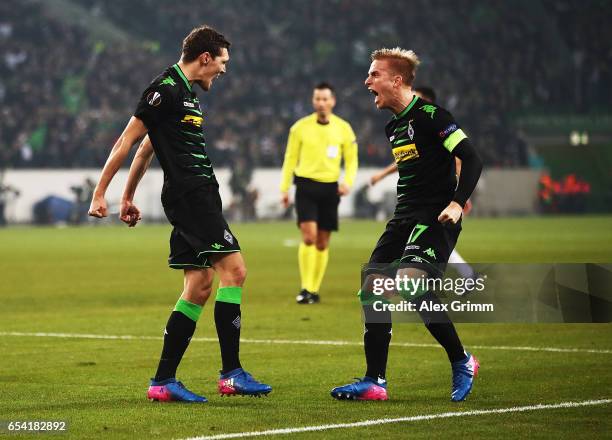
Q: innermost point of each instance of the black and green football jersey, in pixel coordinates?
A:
(422, 139)
(171, 111)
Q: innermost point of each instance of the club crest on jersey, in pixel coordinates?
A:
(193, 120)
(405, 152)
(154, 99)
(410, 131)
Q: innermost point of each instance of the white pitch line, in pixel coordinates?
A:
(374, 422)
(303, 342)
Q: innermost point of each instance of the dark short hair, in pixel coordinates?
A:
(323, 85)
(203, 39)
(427, 92)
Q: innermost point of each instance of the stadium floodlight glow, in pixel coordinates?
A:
(574, 138)
(584, 138)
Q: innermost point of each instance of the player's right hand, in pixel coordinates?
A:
(98, 207)
(129, 213)
(375, 179)
(468, 207)
(285, 199)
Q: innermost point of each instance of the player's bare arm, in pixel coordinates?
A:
(129, 213)
(133, 131)
(383, 173)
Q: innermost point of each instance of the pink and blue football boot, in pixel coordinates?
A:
(464, 372)
(171, 390)
(240, 383)
(363, 389)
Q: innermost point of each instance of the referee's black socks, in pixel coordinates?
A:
(177, 335)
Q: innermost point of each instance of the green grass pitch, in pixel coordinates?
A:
(113, 280)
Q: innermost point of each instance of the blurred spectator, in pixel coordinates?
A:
(64, 96)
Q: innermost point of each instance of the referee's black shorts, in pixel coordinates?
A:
(318, 202)
(200, 230)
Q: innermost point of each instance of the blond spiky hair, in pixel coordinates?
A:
(403, 62)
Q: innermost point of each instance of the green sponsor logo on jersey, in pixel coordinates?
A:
(216, 246)
(169, 81)
(431, 109)
(430, 252)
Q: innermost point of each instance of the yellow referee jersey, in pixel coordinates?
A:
(315, 151)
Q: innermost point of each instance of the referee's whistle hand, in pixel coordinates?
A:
(98, 207)
(285, 199)
(451, 214)
(343, 189)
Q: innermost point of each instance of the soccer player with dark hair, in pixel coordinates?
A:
(317, 145)
(169, 117)
(424, 139)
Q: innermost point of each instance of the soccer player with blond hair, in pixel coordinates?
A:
(424, 139)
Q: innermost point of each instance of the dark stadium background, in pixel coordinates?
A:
(527, 79)
(73, 70)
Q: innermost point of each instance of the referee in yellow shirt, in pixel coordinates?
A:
(317, 145)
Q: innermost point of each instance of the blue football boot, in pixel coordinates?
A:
(171, 390)
(239, 382)
(464, 372)
(363, 389)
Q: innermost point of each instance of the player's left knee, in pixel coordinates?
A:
(235, 276)
(198, 294)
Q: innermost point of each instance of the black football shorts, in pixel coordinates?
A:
(200, 230)
(418, 240)
(318, 202)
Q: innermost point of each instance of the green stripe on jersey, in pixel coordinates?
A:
(200, 166)
(407, 109)
(182, 75)
(399, 141)
(199, 134)
(453, 140)
(199, 144)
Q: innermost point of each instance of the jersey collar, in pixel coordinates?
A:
(182, 75)
(407, 109)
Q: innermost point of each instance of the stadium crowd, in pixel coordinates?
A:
(65, 96)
